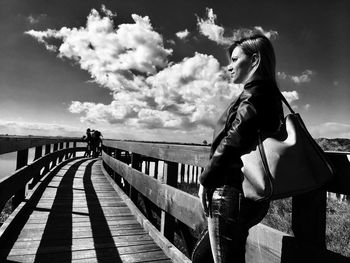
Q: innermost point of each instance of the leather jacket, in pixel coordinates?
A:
(258, 108)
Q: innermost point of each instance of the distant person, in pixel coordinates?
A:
(88, 139)
(96, 143)
(258, 108)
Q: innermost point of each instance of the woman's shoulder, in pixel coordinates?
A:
(260, 88)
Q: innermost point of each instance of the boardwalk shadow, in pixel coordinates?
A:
(57, 236)
(11, 234)
(100, 230)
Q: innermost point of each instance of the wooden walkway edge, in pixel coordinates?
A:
(169, 249)
(76, 215)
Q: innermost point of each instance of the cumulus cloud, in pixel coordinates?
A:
(148, 91)
(291, 96)
(304, 77)
(207, 26)
(271, 34)
(330, 130)
(42, 36)
(183, 34)
(104, 51)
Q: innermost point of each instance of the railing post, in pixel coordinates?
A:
(117, 154)
(74, 154)
(22, 160)
(136, 163)
(47, 148)
(47, 165)
(147, 165)
(309, 218)
(67, 153)
(38, 152)
(182, 173)
(61, 144)
(55, 148)
(155, 175)
(167, 222)
(188, 173)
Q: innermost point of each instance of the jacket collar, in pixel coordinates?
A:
(254, 83)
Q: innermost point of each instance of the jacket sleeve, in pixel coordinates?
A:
(241, 133)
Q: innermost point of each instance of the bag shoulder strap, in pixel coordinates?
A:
(284, 100)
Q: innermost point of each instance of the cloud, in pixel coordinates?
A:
(181, 96)
(183, 34)
(304, 77)
(103, 51)
(271, 34)
(171, 42)
(207, 26)
(32, 19)
(210, 29)
(330, 130)
(148, 91)
(42, 36)
(291, 96)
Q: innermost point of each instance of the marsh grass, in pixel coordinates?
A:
(279, 217)
(5, 213)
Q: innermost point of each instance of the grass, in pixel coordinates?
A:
(279, 217)
(5, 213)
(338, 227)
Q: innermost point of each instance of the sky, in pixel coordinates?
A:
(156, 70)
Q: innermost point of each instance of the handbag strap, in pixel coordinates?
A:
(284, 100)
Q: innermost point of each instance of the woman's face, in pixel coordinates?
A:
(240, 66)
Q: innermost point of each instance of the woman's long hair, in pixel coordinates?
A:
(256, 43)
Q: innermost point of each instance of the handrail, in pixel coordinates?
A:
(180, 153)
(17, 143)
(180, 211)
(15, 185)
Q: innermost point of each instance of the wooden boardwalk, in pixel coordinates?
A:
(75, 215)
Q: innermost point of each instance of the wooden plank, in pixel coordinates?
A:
(87, 253)
(82, 224)
(188, 154)
(181, 205)
(53, 245)
(99, 255)
(81, 233)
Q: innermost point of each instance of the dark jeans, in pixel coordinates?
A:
(231, 216)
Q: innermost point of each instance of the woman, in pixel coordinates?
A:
(257, 109)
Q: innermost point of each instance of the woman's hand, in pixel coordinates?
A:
(202, 193)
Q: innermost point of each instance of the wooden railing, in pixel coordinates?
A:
(172, 210)
(27, 175)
